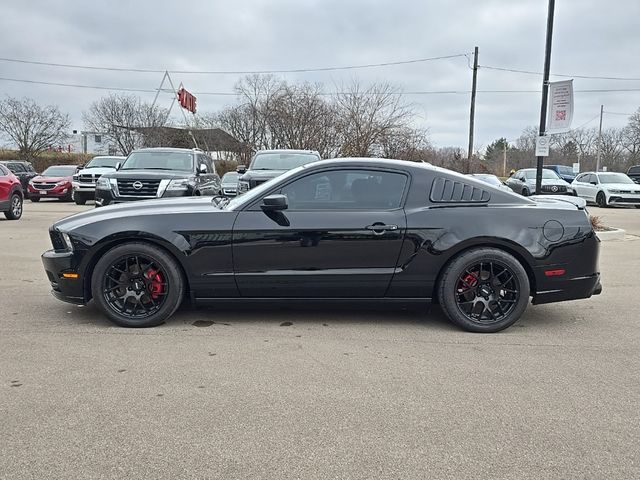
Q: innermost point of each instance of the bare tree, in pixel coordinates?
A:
(366, 115)
(32, 128)
(407, 143)
(117, 116)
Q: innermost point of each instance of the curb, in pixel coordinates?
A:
(614, 234)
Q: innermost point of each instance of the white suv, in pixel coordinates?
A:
(84, 182)
(607, 188)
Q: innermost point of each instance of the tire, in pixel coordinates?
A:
(637, 206)
(15, 208)
(498, 290)
(114, 300)
(34, 199)
(525, 192)
(79, 199)
(601, 200)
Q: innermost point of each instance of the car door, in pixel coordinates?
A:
(5, 187)
(207, 181)
(21, 172)
(340, 236)
(578, 185)
(591, 187)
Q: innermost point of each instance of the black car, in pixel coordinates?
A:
(268, 164)
(23, 170)
(634, 173)
(357, 229)
(159, 173)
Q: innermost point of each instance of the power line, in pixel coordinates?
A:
(232, 72)
(618, 113)
(422, 92)
(529, 72)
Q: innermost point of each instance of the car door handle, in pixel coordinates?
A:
(380, 228)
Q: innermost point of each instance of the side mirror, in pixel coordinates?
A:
(274, 203)
(241, 169)
(118, 165)
(202, 168)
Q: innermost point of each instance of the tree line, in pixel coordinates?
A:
(357, 121)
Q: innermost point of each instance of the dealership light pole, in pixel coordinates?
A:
(545, 90)
(472, 113)
(599, 140)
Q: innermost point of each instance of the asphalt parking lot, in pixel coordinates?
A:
(240, 392)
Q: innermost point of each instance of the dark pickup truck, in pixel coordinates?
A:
(634, 173)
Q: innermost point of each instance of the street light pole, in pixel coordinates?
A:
(545, 90)
(472, 113)
(599, 140)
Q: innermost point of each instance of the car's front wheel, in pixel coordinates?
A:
(137, 285)
(78, 198)
(15, 208)
(484, 290)
(601, 200)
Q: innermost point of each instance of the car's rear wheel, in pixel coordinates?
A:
(601, 200)
(525, 192)
(15, 208)
(137, 285)
(484, 290)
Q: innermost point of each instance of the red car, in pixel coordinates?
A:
(11, 195)
(54, 182)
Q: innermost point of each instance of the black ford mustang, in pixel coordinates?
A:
(356, 229)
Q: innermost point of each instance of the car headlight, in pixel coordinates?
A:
(614, 191)
(178, 184)
(243, 186)
(76, 177)
(103, 184)
(67, 240)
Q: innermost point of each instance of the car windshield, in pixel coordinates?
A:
(490, 179)
(614, 178)
(281, 161)
(102, 162)
(258, 191)
(60, 171)
(546, 174)
(179, 161)
(230, 177)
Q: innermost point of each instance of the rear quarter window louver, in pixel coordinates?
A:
(445, 190)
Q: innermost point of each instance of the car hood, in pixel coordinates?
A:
(131, 209)
(621, 186)
(96, 171)
(148, 174)
(43, 178)
(261, 174)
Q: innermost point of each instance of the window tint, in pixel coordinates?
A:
(16, 167)
(207, 161)
(582, 177)
(3, 171)
(346, 190)
(592, 179)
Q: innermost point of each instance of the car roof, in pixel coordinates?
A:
(287, 150)
(108, 156)
(63, 165)
(168, 149)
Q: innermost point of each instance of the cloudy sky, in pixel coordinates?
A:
(591, 38)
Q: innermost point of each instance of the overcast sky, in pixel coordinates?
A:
(593, 38)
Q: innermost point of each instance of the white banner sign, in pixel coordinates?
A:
(560, 106)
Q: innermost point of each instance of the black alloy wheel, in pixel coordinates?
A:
(137, 285)
(15, 208)
(484, 290)
(601, 200)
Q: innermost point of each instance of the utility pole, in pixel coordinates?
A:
(504, 159)
(599, 140)
(545, 90)
(472, 113)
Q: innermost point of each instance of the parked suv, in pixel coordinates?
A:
(524, 183)
(634, 173)
(159, 173)
(84, 182)
(11, 195)
(268, 164)
(23, 170)
(563, 171)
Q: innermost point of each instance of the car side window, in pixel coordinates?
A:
(16, 168)
(593, 179)
(346, 190)
(211, 167)
(3, 171)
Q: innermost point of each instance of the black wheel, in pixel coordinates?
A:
(525, 192)
(137, 285)
(79, 199)
(601, 200)
(15, 207)
(34, 199)
(484, 290)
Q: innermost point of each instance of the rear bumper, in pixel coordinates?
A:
(570, 289)
(66, 289)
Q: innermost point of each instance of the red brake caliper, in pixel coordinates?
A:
(468, 282)
(156, 288)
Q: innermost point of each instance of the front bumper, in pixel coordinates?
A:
(108, 197)
(57, 192)
(69, 290)
(86, 189)
(622, 199)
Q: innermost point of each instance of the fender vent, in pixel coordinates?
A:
(445, 190)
